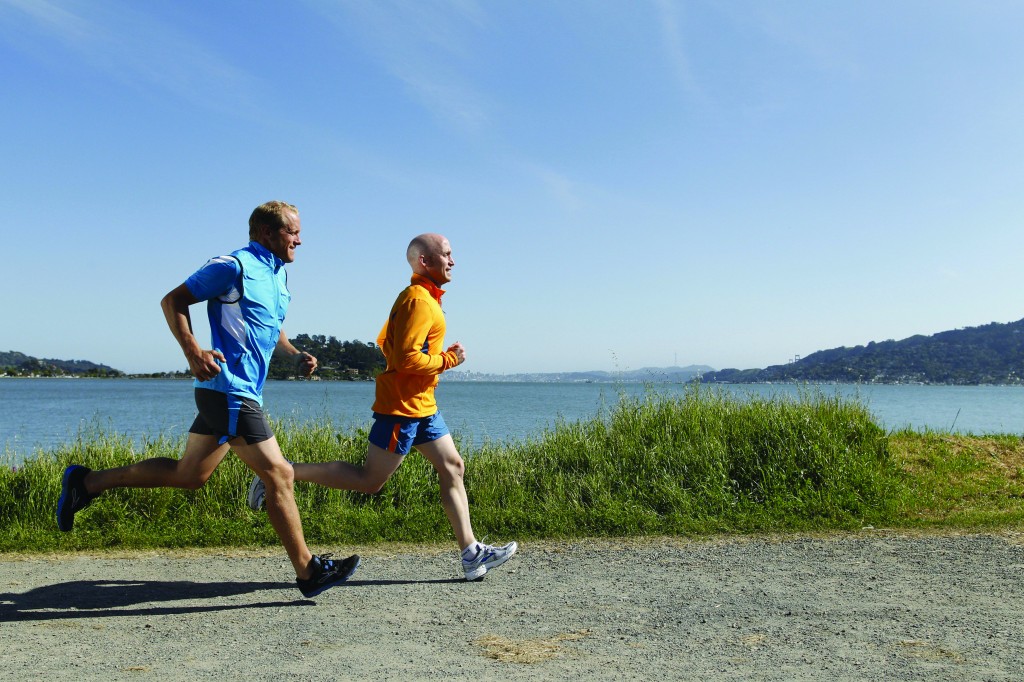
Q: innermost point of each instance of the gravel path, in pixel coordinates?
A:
(869, 606)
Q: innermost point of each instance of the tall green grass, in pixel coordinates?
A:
(698, 463)
(703, 462)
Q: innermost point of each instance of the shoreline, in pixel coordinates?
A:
(498, 379)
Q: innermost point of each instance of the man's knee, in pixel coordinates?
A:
(189, 478)
(371, 487)
(377, 470)
(193, 482)
(367, 480)
(451, 467)
(278, 477)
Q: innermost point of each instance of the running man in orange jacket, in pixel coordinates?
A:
(405, 414)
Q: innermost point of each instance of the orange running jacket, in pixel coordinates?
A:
(412, 340)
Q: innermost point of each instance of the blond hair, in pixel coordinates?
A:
(270, 216)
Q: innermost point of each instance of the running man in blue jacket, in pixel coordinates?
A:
(247, 298)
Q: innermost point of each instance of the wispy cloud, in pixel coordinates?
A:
(675, 50)
(560, 187)
(129, 46)
(425, 45)
(61, 23)
(430, 47)
(819, 33)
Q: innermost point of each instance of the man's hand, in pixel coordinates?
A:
(459, 351)
(306, 364)
(204, 365)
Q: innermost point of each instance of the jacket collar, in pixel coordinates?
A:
(435, 291)
(264, 254)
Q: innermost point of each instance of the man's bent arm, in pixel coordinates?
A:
(305, 363)
(409, 329)
(202, 363)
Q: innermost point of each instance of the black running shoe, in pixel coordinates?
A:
(328, 574)
(73, 496)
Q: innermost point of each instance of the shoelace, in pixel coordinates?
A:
(484, 547)
(326, 563)
(485, 552)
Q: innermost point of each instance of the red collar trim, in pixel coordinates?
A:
(435, 291)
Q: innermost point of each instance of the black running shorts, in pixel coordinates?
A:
(230, 416)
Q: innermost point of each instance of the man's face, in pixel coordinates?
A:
(439, 262)
(282, 242)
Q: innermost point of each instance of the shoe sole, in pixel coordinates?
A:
(260, 502)
(326, 586)
(62, 500)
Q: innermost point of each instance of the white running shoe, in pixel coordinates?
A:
(257, 496)
(487, 557)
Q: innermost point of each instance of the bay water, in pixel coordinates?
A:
(36, 415)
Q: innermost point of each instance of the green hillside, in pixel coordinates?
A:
(13, 363)
(989, 354)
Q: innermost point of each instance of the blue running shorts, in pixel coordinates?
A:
(230, 416)
(401, 434)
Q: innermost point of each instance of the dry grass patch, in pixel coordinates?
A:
(755, 640)
(526, 650)
(929, 652)
(1004, 454)
(960, 481)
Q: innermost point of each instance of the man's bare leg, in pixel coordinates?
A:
(380, 464)
(368, 478)
(446, 459)
(266, 460)
(202, 455)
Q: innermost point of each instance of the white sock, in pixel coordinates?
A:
(471, 551)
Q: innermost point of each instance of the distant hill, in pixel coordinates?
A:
(13, 363)
(645, 374)
(989, 354)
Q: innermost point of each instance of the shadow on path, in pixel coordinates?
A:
(115, 598)
(111, 598)
(433, 581)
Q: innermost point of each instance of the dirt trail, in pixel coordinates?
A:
(856, 607)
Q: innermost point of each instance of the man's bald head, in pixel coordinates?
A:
(430, 255)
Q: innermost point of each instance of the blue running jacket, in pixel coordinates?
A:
(247, 298)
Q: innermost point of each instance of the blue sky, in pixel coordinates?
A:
(624, 183)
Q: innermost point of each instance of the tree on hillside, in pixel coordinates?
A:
(347, 360)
